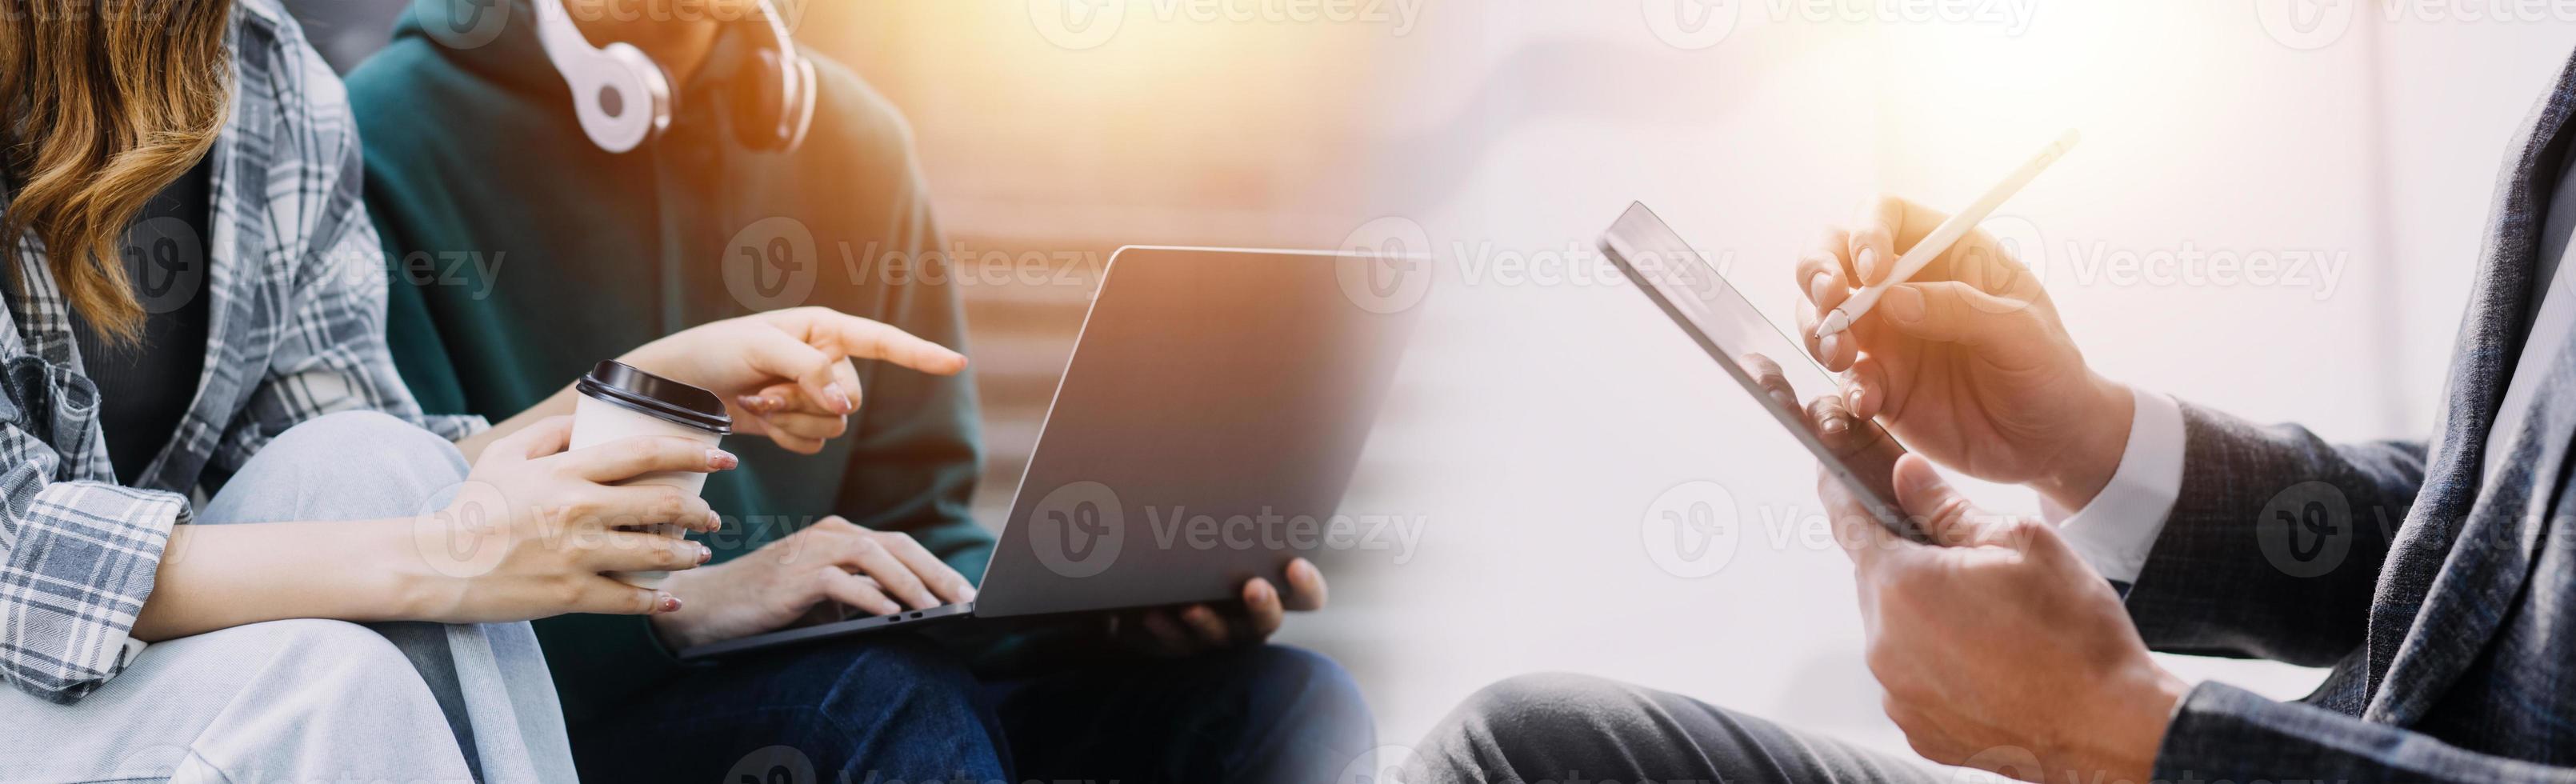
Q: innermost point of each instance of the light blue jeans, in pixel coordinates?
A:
(313, 700)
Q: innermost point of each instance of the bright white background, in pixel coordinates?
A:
(1543, 421)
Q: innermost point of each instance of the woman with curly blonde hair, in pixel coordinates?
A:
(231, 546)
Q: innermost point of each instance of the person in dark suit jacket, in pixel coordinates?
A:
(2437, 578)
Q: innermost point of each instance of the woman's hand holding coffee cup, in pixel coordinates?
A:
(536, 526)
(786, 373)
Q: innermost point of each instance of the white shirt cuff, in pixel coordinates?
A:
(2116, 530)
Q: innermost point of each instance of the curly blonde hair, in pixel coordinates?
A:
(103, 103)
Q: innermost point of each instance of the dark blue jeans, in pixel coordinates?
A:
(899, 710)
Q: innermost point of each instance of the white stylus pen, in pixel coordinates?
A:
(1944, 235)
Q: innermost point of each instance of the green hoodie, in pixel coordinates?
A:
(530, 254)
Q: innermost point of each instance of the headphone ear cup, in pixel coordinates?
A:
(760, 101)
(622, 98)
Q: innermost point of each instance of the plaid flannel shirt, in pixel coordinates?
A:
(296, 330)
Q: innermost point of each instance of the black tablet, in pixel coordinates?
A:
(1771, 367)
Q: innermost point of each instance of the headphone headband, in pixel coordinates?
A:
(796, 86)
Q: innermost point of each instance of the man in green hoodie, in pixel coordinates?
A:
(530, 252)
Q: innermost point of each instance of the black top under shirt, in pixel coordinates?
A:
(144, 387)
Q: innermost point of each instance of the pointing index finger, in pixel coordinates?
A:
(869, 339)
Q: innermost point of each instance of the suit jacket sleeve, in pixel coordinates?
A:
(2275, 542)
(2222, 733)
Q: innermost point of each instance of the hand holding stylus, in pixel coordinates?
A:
(1944, 235)
(1967, 363)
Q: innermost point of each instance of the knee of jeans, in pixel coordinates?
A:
(910, 681)
(357, 463)
(1546, 705)
(1280, 713)
(343, 665)
(1282, 680)
(315, 640)
(370, 437)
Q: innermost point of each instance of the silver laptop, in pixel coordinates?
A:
(1212, 393)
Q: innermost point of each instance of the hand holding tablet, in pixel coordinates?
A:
(1761, 358)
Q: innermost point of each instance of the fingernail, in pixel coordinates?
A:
(1853, 398)
(1917, 481)
(1831, 346)
(837, 398)
(1902, 303)
(705, 553)
(1261, 591)
(668, 602)
(1819, 286)
(1866, 262)
(1834, 425)
(719, 459)
(715, 520)
(753, 403)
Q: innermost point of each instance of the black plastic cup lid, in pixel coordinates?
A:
(620, 384)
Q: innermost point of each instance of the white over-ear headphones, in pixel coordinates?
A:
(624, 99)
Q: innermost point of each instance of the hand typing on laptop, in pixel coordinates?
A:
(833, 560)
(884, 572)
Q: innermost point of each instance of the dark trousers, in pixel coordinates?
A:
(1571, 729)
(897, 710)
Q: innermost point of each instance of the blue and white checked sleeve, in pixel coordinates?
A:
(79, 561)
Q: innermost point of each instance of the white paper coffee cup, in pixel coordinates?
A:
(618, 402)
